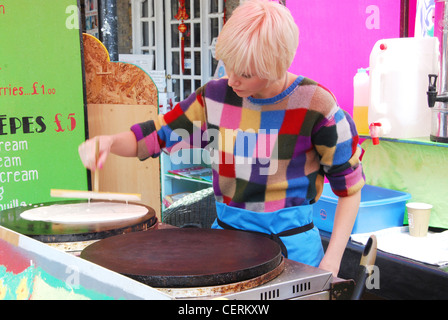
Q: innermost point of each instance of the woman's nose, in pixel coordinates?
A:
(233, 80)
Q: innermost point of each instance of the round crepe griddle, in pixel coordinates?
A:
(50, 232)
(190, 257)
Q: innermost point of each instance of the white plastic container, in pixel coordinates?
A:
(399, 71)
(361, 101)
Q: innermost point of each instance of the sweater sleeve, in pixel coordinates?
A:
(337, 142)
(182, 127)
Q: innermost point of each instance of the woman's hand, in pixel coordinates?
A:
(87, 152)
(345, 216)
(331, 265)
(123, 144)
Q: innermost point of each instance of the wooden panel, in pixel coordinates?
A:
(115, 82)
(128, 175)
(118, 96)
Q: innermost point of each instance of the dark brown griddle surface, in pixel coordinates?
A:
(190, 257)
(58, 232)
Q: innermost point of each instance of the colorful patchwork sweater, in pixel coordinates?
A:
(266, 154)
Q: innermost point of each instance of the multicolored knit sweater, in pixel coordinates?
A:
(266, 154)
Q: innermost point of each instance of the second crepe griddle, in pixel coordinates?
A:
(50, 232)
(188, 257)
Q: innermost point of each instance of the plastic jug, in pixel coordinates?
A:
(361, 101)
(399, 71)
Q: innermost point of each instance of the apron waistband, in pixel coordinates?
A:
(272, 236)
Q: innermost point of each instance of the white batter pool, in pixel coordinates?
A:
(85, 212)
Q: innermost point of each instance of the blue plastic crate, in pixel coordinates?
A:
(380, 208)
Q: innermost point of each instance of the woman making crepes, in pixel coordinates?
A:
(272, 135)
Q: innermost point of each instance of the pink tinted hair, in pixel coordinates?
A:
(260, 39)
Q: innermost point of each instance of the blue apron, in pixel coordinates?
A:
(291, 227)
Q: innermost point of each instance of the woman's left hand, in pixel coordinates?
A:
(330, 265)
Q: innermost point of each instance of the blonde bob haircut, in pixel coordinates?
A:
(260, 39)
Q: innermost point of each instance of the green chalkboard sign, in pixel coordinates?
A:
(42, 100)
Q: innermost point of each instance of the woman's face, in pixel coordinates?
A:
(248, 86)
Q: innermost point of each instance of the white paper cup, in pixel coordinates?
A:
(418, 217)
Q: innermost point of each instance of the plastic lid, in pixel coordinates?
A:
(361, 70)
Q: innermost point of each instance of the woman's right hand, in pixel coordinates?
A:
(88, 155)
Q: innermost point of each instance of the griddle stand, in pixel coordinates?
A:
(298, 282)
